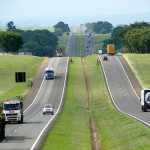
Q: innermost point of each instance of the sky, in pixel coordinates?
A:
(73, 12)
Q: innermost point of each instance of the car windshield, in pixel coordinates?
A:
(48, 106)
(11, 107)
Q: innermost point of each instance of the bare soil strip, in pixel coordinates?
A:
(95, 141)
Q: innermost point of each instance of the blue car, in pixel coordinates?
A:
(49, 73)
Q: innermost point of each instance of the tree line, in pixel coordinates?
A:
(39, 42)
(134, 38)
(99, 27)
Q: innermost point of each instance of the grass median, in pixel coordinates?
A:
(63, 42)
(140, 64)
(71, 130)
(117, 131)
(80, 46)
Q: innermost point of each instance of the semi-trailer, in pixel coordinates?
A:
(111, 49)
(2, 125)
(145, 100)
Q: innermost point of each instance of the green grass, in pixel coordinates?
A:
(71, 130)
(98, 41)
(10, 64)
(51, 29)
(117, 131)
(3, 28)
(80, 46)
(62, 43)
(140, 64)
(78, 30)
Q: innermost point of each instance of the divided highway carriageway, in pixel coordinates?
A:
(32, 132)
(121, 91)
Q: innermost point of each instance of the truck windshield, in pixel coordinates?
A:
(11, 107)
(49, 71)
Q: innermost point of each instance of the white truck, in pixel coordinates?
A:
(59, 52)
(13, 111)
(145, 100)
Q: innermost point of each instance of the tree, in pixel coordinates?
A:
(10, 41)
(11, 26)
(102, 27)
(63, 26)
(59, 31)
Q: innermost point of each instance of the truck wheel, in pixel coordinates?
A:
(21, 121)
(43, 113)
(143, 109)
(3, 133)
(21, 118)
(52, 113)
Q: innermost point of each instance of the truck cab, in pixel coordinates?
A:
(13, 111)
(59, 52)
(49, 73)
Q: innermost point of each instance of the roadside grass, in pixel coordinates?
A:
(98, 41)
(9, 64)
(140, 64)
(71, 129)
(80, 46)
(3, 28)
(62, 43)
(50, 28)
(117, 131)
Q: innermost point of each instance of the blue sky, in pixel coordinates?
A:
(75, 11)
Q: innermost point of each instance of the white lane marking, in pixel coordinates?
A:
(33, 100)
(127, 77)
(113, 99)
(38, 90)
(56, 111)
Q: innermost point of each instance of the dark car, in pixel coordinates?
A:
(105, 58)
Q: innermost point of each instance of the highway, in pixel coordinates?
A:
(122, 94)
(32, 132)
(71, 45)
(88, 44)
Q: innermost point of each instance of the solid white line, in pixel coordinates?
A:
(114, 101)
(127, 76)
(38, 91)
(55, 113)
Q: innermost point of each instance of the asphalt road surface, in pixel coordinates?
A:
(71, 45)
(88, 44)
(122, 94)
(29, 135)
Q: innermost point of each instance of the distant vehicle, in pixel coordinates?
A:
(13, 111)
(111, 49)
(59, 52)
(145, 100)
(105, 58)
(48, 108)
(100, 52)
(49, 73)
(2, 125)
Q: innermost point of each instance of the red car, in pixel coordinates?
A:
(105, 58)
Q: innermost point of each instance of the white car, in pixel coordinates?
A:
(48, 108)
